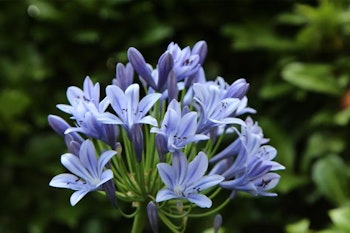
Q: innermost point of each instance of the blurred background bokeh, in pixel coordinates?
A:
(295, 54)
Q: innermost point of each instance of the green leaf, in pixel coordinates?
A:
(312, 77)
(301, 226)
(320, 144)
(340, 217)
(330, 176)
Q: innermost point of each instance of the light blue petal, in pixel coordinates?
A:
(146, 103)
(188, 124)
(77, 196)
(167, 174)
(73, 164)
(109, 118)
(87, 156)
(148, 120)
(74, 95)
(195, 138)
(171, 121)
(200, 200)
(65, 108)
(165, 194)
(105, 176)
(117, 100)
(104, 158)
(175, 105)
(132, 94)
(63, 180)
(197, 168)
(266, 182)
(179, 164)
(207, 182)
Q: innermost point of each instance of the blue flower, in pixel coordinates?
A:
(186, 181)
(187, 62)
(124, 76)
(174, 65)
(247, 165)
(85, 108)
(128, 107)
(87, 172)
(215, 110)
(178, 130)
(130, 113)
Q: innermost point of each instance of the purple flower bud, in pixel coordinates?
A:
(140, 66)
(58, 124)
(124, 76)
(152, 216)
(201, 49)
(217, 223)
(136, 136)
(165, 65)
(172, 86)
(238, 89)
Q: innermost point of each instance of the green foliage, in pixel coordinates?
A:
(295, 54)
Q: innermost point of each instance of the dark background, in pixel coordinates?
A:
(295, 55)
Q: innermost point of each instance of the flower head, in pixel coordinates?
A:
(87, 171)
(186, 180)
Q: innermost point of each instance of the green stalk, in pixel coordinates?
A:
(139, 220)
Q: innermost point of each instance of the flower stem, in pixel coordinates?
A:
(139, 220)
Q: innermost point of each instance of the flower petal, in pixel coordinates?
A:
(207, 182)
(117, 100)
(63, 180)
(197, 168)
(73, 164)
(200, 200)
(165, 194)
(167, 174)
(77, 196)
(87, 156)
(104, 158)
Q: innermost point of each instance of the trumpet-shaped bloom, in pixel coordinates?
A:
(128, 107)
(178, 130)
(247, 165)
(186, 180)
(88, 172)
(124, 76)
(130, 112)
(85, 107)
(215, 110)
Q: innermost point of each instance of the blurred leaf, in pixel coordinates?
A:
(301, 226)
(157, 33)
(342, 118)
(44, 10)
(320, 144)
(341, 218)
(86, 36)
(13, 102)
(312, 77)
(274, 91)
(330, 176)
(290, 181)
(254, 35)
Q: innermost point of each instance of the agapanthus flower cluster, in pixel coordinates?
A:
(154, 140)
